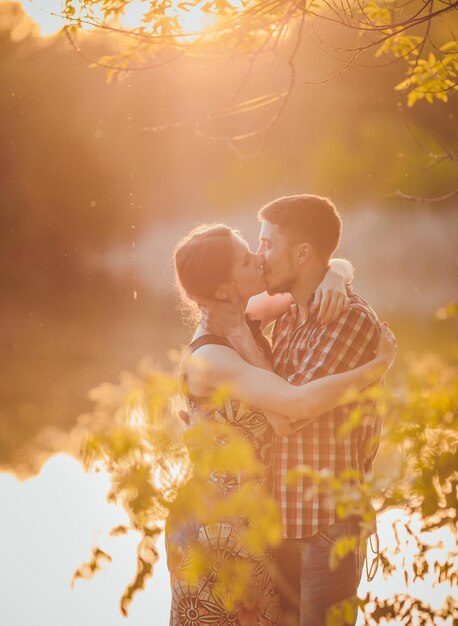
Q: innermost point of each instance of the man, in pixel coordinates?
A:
(298, 236)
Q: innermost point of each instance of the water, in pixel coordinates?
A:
(51, 522)
(59, 345)
(406, 261)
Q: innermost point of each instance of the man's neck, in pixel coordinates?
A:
(306, 285)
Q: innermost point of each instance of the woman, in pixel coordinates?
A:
(215, 262)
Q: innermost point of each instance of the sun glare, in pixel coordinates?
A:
(48, 16)
(137, 418)
(196, 21)
(192, 20)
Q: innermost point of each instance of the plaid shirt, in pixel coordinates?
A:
(304, 351)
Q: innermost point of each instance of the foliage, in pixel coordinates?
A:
(123, 175)
(151, 459)
(310, 43)
(140, 440)
(137, 436)
(416, 474)
(412, 33)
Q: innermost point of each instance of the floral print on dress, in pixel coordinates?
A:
(205, 602)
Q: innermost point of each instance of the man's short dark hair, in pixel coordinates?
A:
(306, 219)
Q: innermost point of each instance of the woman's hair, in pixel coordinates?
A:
(203, 261)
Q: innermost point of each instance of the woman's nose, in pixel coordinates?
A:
(259, 259)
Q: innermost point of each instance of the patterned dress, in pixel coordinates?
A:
(220, 543)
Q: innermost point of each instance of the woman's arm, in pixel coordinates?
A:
(268, 308)
(344, 268)
(212, 367)
(245, 345)
(331, 294)
(330, 297)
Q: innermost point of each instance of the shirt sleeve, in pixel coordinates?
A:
(335, 348)
(338, 347)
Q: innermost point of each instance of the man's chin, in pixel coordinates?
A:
(273, 289)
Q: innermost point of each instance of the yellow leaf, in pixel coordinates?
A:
(450, 45)
(413, 97)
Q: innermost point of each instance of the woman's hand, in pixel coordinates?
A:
(386, 348)
(331, 298)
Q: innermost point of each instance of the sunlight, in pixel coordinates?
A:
(193, 20)
(45, 15)
(167, 475)
(137, 418)
(49, 18)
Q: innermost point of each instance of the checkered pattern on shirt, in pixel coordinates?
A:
(303, 352)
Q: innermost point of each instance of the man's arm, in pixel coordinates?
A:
(330, 297)
(338, 347)
(267, 308)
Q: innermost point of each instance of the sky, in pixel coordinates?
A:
(45, 14)
(41, 11)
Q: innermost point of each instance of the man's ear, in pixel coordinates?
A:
(303, 253)
(222, 293)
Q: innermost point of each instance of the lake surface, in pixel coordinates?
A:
(50, 524)
(59, 343)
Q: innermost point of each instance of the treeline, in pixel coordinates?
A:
(81, 163)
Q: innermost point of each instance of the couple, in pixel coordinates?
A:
(288, 395)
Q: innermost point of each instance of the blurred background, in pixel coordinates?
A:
(99, 180)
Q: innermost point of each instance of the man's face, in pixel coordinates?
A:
(277, 259)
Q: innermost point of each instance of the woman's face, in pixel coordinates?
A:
(247, 271)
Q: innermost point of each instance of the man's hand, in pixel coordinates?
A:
(227, 319)
(331, 298)
(222, 318)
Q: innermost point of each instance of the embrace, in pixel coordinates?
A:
(287, 400)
